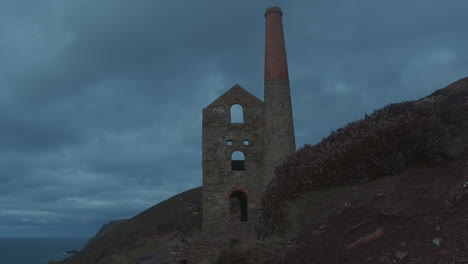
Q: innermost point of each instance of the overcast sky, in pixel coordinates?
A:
(100, 101)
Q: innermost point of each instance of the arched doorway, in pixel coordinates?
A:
(238, 206)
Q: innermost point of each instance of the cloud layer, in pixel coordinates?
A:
(100, 101)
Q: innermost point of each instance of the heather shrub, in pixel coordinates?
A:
(379, 144)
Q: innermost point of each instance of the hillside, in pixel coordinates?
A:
(416, 216)
(380, 144)
(140, 235)
(108, 227)
(390, 188)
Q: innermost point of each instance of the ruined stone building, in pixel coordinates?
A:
(239, 156)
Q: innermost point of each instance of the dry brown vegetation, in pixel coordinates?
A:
(380, 144)
(390, 188)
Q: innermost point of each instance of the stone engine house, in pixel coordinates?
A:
(241, 151)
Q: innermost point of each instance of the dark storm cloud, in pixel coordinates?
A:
(351, 58)
(100, 101)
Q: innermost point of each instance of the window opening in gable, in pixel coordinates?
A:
(246, 142)
(237, 113)
(229, 142)
(237, 161)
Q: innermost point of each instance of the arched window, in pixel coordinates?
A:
(238, 206)
(237, 113)
(237, 160)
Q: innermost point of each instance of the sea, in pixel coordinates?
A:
(38, 250)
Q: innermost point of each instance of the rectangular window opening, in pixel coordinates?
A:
(229, 142)
(237, 165)
(246, 142)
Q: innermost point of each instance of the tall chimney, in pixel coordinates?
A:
(279, 127)
(276, 66)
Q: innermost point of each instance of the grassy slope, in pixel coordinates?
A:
(381, 144)
(314, 213)
(414, 187)
(413, 207)
(134, 237)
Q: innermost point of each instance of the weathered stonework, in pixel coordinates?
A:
(219, 180)
(279, 127)
(268, 127)
(232, 189)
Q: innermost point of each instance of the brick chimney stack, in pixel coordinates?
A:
(276, 65)
(279, 127)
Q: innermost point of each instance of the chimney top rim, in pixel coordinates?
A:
(273, 9)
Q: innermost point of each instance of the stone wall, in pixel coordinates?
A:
(219, 180)
(279, 127)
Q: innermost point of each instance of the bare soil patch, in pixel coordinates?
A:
(417, 216)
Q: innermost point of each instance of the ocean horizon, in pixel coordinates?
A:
(38, 250)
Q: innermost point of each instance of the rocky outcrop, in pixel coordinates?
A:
(124, 237)
(109, 226)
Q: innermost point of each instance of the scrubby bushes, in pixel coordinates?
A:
(380, 144)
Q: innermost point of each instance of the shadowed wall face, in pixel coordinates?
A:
(232, 164)
(264, 134)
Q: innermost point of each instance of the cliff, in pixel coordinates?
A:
(145, 234)
(108, 227)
